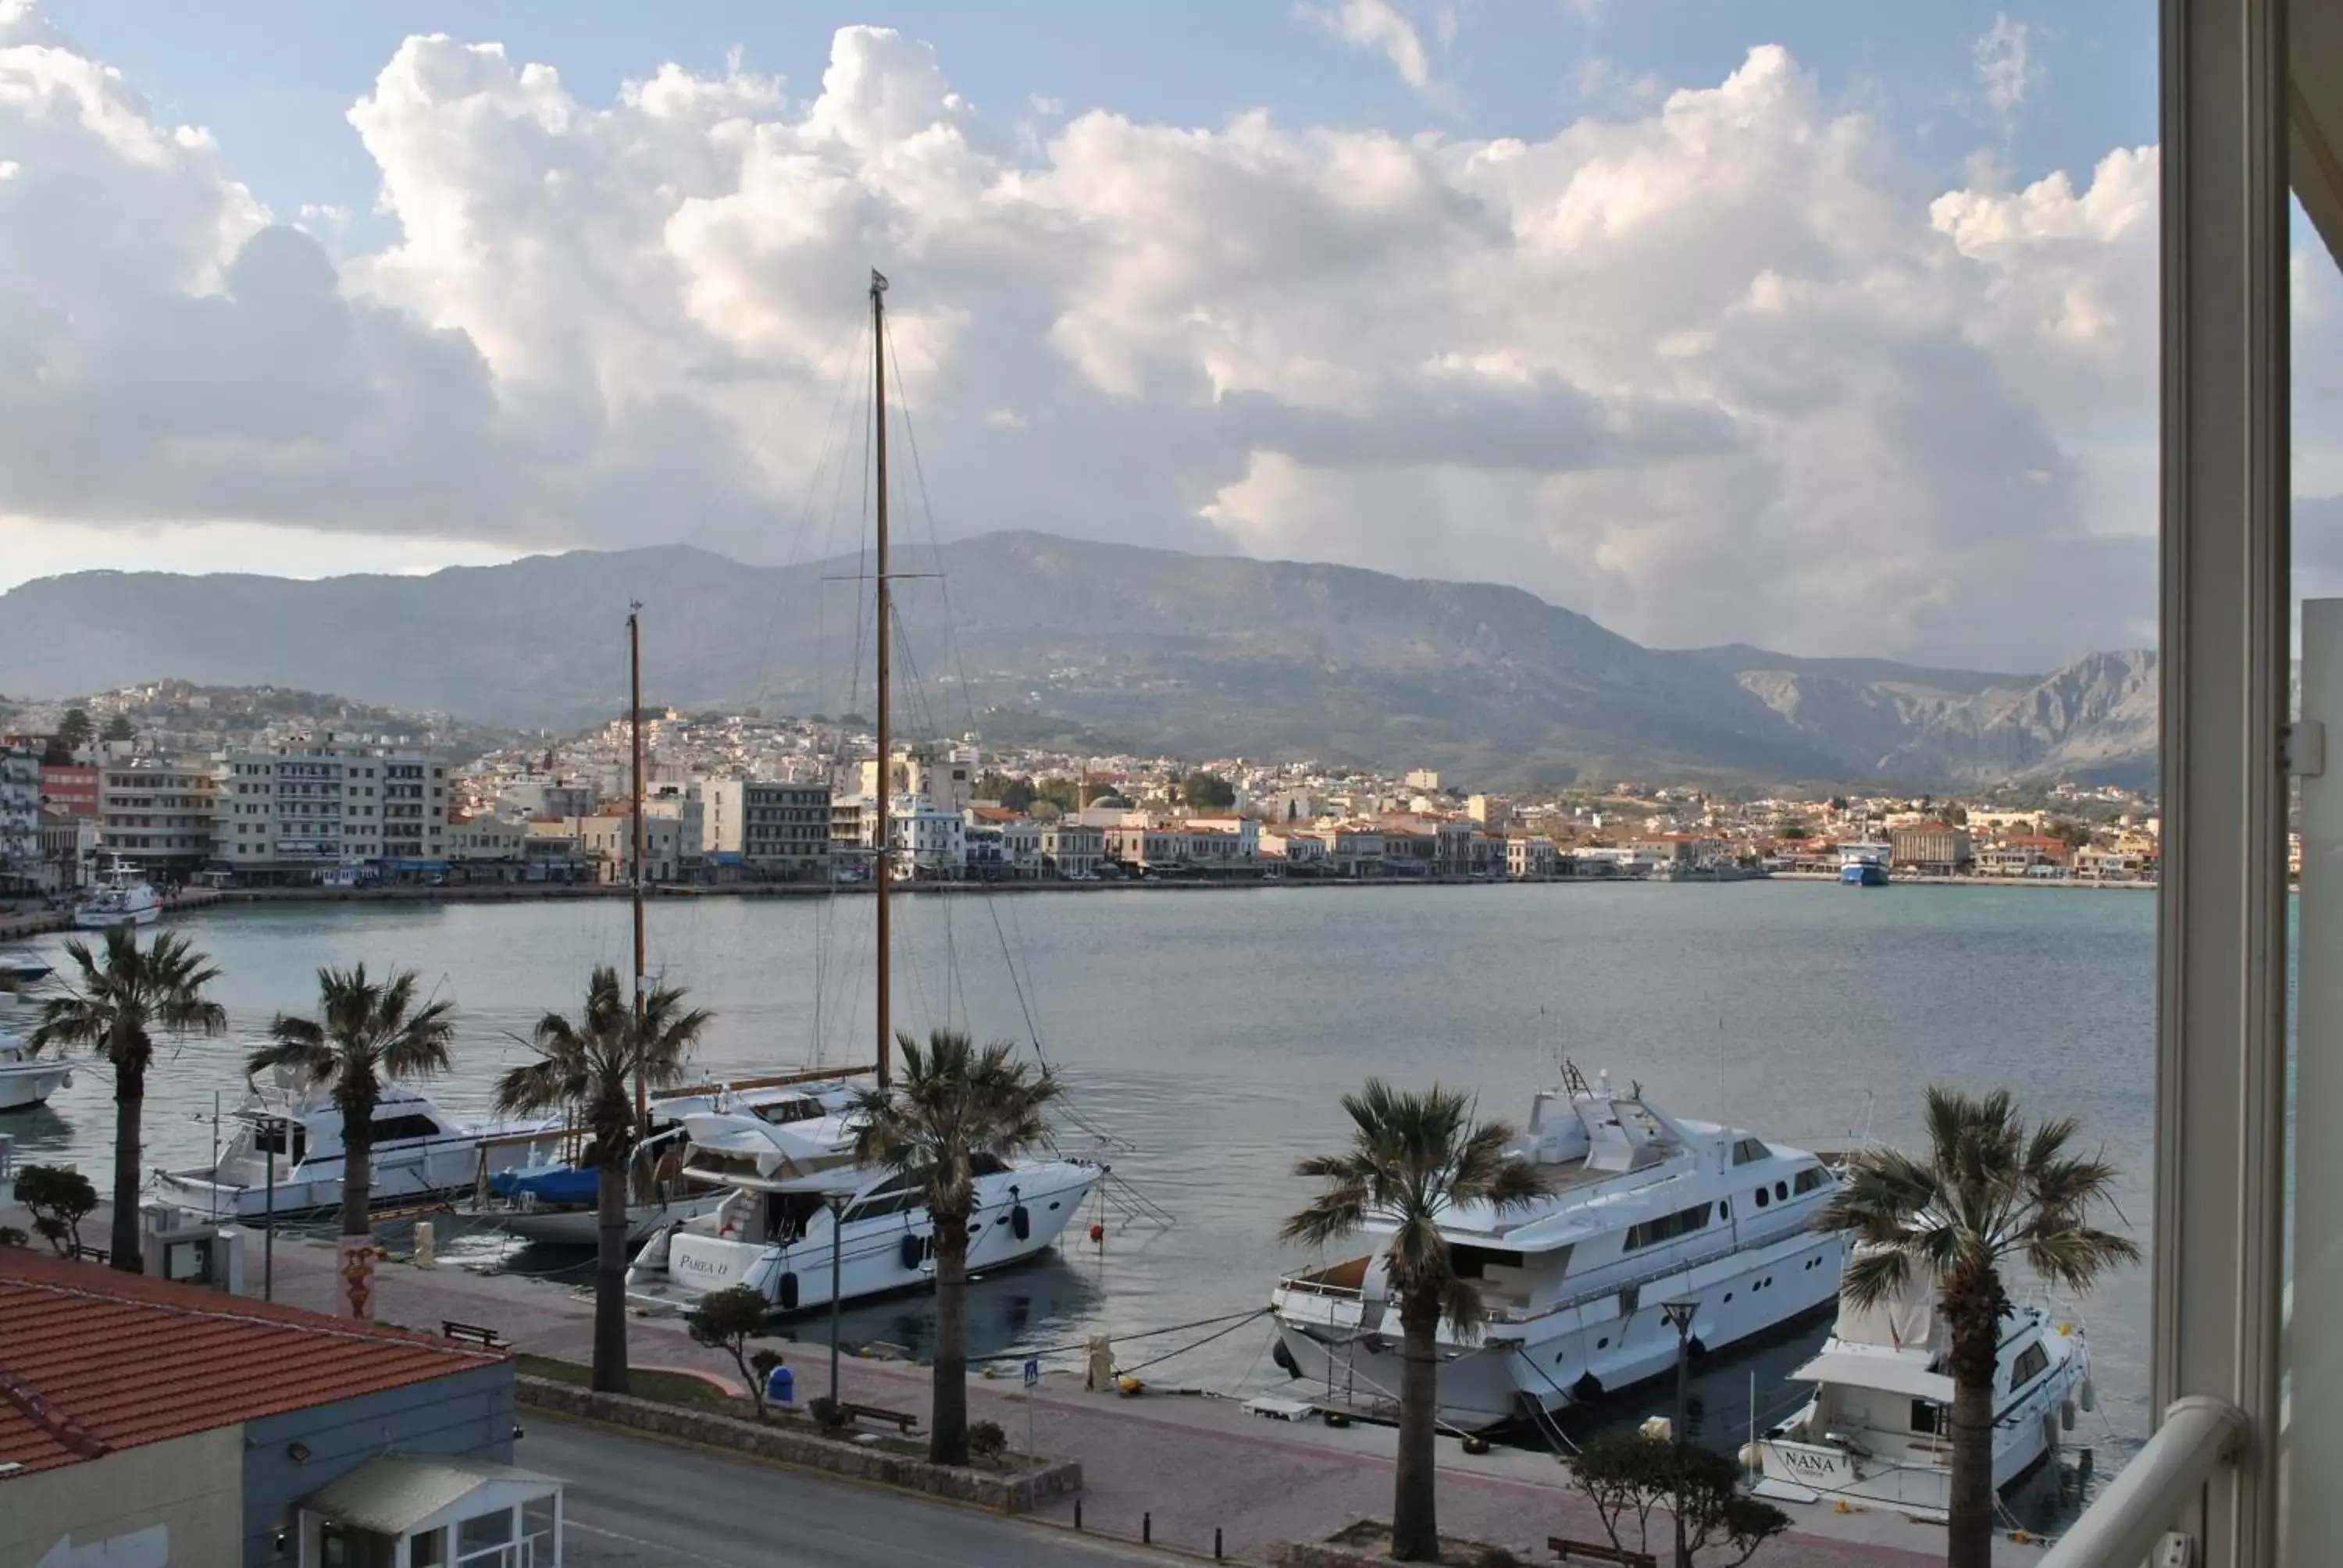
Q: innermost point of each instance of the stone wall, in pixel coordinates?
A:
(1010, 1492)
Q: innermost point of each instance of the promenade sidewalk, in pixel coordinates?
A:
(1192, 1463)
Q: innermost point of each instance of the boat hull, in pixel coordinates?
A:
(24, 1084)
(1863, 876)
(415, 1173)
(1568, 1355)
(677, 1266)
(567, 1225)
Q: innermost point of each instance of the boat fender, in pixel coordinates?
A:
(1587, 1390)
(1752, 1454)
(1696, 1349)
(1373, 1343)
(2090, 1395)
(911, 1251)
(1284, 1357)
(1020, 1223)
(2049, 1429)
(2066, 1415)
(789, 1292)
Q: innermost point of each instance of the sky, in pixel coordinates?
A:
(1818, 324)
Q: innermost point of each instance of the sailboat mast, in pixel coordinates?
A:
(885, 836)
(635, 730)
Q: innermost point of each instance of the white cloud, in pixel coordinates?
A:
(1382, 27)
(1705, 368)
(2007, 71)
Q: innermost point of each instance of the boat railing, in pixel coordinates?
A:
(2149, 1497)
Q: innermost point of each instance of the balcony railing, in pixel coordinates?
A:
(2134, 1514)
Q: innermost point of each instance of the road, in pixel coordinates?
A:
(634, 1502)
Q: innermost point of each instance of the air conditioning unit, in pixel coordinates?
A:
(192, 1249)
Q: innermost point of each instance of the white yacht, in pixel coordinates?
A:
(552, 1198)
(296, 1131)
(29, 1077)
(777, 1165)
(1645, 1208)
(1877, 1430)
(124, 898)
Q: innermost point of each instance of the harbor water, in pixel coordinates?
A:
(1211, 1034)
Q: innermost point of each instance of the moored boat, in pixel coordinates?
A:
(124, 898)
(27, 1077)
(1877, 1430)
(1862, 865)
(1645, 1209)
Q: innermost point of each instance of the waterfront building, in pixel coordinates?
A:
(604, 844)
(853, 823)
(777, 828)
(541, 797)
(1073, 851)
(944, 783)
(20, 820)
(68, 851)
(158, 813)
(70, 788)
(488, 849)
(1530, 857)
(1301, 850)
(926, 841)
(1931, 848)
(297, 812)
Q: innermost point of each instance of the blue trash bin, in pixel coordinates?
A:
(781, 1386)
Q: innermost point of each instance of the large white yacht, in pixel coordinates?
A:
(1877, 1430)
(124, 898)
(778, 1165)
(29, 1077)
(551, 1196)
(294, 1130)
(1645, 1208)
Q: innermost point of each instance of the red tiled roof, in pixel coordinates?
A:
(93, 1361)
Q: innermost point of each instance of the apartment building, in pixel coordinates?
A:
(927, 840)
(1931, 848)
(1530, 857)
(291, 813)
(70, 788)
(778, 829)
(158, 813)
(20, 820)
(944, 782)
(1071, 849)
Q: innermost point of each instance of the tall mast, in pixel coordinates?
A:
(886, 834)
(635, 730)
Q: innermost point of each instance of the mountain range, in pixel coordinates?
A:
(1033, 638)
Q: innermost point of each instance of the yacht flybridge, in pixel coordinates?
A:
(1646, 1208)
(795, 1205)
(1878, 1431)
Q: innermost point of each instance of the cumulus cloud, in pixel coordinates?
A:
(2006, 70)
(1380, 26)
(1703, 368)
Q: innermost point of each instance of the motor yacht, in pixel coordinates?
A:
(29, 1077)
(1645, 1208)
(124, 898)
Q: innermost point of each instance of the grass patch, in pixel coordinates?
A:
(1373, 1536)
(662, 1387)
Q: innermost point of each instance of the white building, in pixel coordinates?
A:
(928, 841)
(777, 828)
(20, 819)
(297, 811)
(158, 813)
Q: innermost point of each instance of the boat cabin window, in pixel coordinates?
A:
(884, 1203)
(1924, 1417)
(394, 1129)
(289, 1141)
(1668, 1227)
(798, 1109)
(1472, 1263)
(2031, 1364)
(1750, 1149)
(1807, 1180)
(789, 1214)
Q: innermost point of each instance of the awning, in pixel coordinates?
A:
(1887, 1374)
(395, 1494)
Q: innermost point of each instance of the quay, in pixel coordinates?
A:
(1188, 1463)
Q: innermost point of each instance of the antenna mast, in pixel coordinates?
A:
(885, 836)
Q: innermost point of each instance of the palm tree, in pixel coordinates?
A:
(588, 1066)
(1991, 1191)
(953, 1104)
(1414, 1157)
(368, 1032)
(111, 1012)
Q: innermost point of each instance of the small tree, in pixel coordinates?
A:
(73, 729)
(118, 728)
(726, 1320)
(1207, 792)
(59, 1197)
(1628, 1477)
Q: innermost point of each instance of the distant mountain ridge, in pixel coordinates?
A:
(1104, 646)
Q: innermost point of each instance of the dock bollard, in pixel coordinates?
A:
(1216, 1544)
(1147, 1529)
(1078, 1514)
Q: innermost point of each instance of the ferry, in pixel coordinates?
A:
(1645, 1209)
(1862, 865)
(1877, 1430)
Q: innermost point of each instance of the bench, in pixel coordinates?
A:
(81, 1255)
(487, 1339)
(902, 1422)
(1597, 1551)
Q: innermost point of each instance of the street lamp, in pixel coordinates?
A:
(838, 1201)
(1678, 1314)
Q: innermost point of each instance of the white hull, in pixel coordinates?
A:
(582, 1227)
(678, 1265)
(24, 1084)
(1575, 1352)
(105, 919)
(398, 1173)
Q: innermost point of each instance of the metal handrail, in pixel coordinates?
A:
(2198, 1435)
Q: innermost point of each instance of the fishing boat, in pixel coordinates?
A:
(1645, 1209)
(797, 1211)
(1877, 1430)
(124, 898)
(1862, 865)
(283, 1156)
(29, 1077)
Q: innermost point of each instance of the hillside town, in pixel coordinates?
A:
(190, 786)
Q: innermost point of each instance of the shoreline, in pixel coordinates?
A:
(41, 922)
